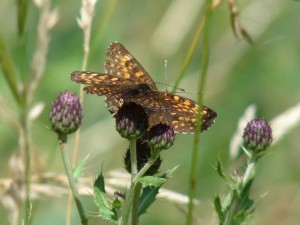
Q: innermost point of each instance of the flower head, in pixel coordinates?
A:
(131, 121)
(257, 135)
(161, 136)
(143, 151)
(66, 114)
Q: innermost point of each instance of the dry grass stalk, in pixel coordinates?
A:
(239, 31)
(48, 19)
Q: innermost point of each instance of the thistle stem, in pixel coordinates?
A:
(135, 187)
(133, 158)
(135, 205)
(154, 155)
(69, 172)
(129, 199)
(250, 169)
(234, 201)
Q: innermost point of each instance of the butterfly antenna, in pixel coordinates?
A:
(166, 80)
(166, 75)
(169, 85)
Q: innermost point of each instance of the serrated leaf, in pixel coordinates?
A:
(227, 201)
(220, 170)
(218, 208)
(169, 173)
(152, 181)
(230, 182)
(149, 193)
(106, 210)
(99, 183)
(147, 198)
(79, 168)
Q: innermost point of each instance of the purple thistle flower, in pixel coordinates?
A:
(257, 135)
(66, 114)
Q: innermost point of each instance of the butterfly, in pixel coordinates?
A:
(126, 81)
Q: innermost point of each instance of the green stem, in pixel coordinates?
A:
(134, 171)
(250, 170)
(236, 193)
(231, 210)
(152, 159)
(135, 204)
(195, 153)
(69, 172)
(133, 158)
(190, 53)
(134, 188)
(131, 195)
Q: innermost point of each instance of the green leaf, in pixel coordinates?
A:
(152, 181)
(169, 173)
(218, 208)
(79, 168)
(230, 182)
(22, 15)
(245, 194)
(147, 198)
(220, 170)
(8, 70)
(106, 209)
(99, 183)
(117, 204)
(228, 201)
(149, 193)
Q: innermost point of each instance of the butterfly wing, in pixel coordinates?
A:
(125, 80)
(176, 111)
(113, 95)
(123, 73)
(122, 64)
(98, 79)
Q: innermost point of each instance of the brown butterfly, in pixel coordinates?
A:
(125, 81)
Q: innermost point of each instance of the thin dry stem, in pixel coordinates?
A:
(48, 18)
(238, 29)
(85, 23)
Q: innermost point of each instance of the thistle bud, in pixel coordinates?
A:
(131, 121)
(161, 136)
(66, 114)
(257, 135)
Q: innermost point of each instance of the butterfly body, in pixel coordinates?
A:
(126, 81)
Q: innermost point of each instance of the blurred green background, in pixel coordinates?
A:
(266, 74)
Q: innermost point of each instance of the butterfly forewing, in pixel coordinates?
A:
(124, 65)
